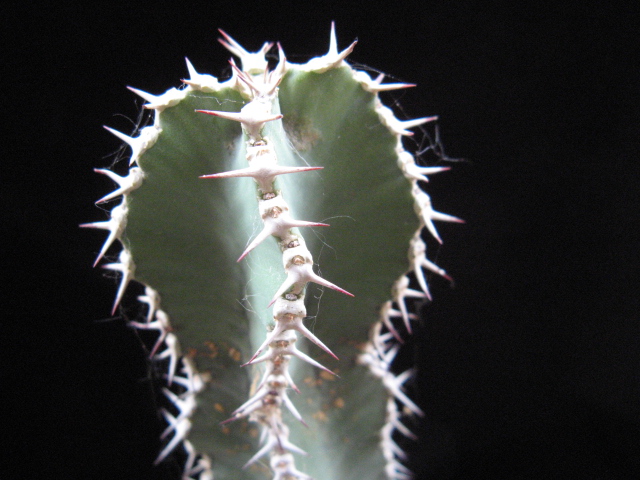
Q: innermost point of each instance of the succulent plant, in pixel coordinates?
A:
(268, 373)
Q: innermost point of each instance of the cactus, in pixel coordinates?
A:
(269, 375)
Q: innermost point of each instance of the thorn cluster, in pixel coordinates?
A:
(378, 356)
(181, 375)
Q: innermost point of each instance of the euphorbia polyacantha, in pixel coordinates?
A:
(305, 141)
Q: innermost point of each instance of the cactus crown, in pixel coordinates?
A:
(309, 141)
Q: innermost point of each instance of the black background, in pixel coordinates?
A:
(529, 368)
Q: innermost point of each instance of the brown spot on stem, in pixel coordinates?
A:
(320, 416)
(192, 352)
(300, 131)
(213, 349)
(327, 376)
(235, 354)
